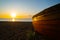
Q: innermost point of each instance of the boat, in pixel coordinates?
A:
(47, 22)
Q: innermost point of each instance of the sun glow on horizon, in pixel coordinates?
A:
(13, 15)
(13, 19)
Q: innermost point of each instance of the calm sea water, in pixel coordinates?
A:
(16, 19)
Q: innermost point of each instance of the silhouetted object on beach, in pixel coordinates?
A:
(47, 22)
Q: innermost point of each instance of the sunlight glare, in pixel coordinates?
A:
(13, 19)
(13, 15)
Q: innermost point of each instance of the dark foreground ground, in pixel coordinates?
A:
(15, 30)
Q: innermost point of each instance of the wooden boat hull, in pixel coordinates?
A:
(49, 28)
(47, 22)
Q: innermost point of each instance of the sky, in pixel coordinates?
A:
(24, 8)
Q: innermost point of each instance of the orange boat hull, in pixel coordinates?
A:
(50, 28)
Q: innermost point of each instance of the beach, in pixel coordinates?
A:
(15, 30)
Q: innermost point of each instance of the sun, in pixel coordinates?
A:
(13, 15)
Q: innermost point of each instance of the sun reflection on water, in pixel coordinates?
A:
(13, 19)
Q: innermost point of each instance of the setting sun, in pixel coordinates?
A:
(13, 15)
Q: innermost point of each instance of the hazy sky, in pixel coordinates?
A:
(26, 7)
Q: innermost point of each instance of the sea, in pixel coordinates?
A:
(16, 19)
